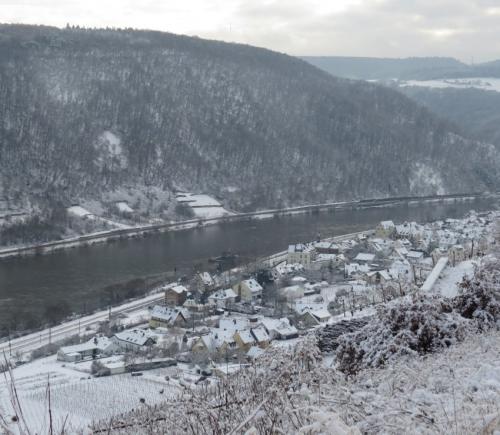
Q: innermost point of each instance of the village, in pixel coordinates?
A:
(234, 316)
(214, 324)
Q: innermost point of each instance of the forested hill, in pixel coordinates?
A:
(87, 112)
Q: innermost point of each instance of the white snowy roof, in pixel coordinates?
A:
(362, 256)
(233, 323)
(260, 334)
(300, 247)
(281, 326)
(253, 285)
(179, 289)
(246, 336)
(168, 314)
(223, 294)
(135, 336)
(98, 343)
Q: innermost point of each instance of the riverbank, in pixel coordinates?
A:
(140, 231)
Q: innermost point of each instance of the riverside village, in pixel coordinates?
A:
(195, 332)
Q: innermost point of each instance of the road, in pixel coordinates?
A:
(28, 343)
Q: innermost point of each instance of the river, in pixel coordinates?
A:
(28, 285)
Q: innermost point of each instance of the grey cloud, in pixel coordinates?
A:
(392, 28)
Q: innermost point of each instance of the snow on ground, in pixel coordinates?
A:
(79, 398)
(79, 211)
(484, 83)
(124, 207)
(447, 285)
(454, 391)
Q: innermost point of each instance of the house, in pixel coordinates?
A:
(385, 229)
(218, 340)
(93, 348)
(364, 258)
(279, 329)
(307, 319)
(223, 298)
(204, 282)
(233, 324)
(355, 269)
(261, 336)
(415, 256)
(248, 290)
(322, 315)
(378, 277)
(326, 248)
(164, 317)
(244, 339)
(301, 254)
(134, 340)
(175, 295)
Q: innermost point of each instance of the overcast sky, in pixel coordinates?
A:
(465, 29)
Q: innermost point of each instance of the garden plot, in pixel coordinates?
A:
(78, 399)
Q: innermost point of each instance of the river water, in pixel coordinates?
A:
(28, 285)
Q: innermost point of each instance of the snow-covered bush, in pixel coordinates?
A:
(479, 296)
(405, 328)
(279, 393)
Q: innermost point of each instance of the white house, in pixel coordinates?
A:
(134, 339)
(96, 346)
(223, 298)
(279, 329)
(301, 254)
(248, 290)
(164, 317)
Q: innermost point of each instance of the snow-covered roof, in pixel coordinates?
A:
(260, 334)
(246, 336)
(168, 314)
(322, 314)
(281, 326)
(179, 289)
(233, 323)
(135, 336)
(99, 343)
(252, 285)
(355, 267)
(300, 247)
(363, 256)
(223, 294)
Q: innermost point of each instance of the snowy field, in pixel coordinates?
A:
(78, 398)
(81, 212)
(484, 83)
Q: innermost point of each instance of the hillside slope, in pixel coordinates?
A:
(84, 113)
